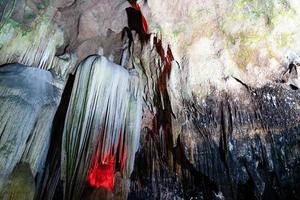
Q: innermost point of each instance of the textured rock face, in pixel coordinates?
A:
(249, 40)
(59, 34)
(29, 99)
(252, 142)
(219, 88)
(238, 149)
(225, 145)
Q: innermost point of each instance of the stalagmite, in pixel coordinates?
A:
(102, 129)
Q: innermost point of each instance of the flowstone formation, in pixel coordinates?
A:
(149, 99)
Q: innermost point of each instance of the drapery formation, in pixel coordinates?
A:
(29, 98)
(101, 132)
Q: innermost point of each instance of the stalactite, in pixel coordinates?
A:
(102, 126)
(35, 46)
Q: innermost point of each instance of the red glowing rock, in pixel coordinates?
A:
(102, 174)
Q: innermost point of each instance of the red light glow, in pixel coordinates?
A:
(102, 174)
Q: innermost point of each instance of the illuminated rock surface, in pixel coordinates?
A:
(219, 100)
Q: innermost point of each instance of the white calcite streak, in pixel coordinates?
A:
(104, 113)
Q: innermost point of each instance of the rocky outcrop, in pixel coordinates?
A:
(249, 148)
